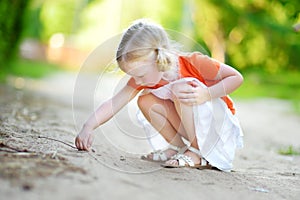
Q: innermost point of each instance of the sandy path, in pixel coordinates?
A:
(48, 169)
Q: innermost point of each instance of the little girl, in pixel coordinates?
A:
(184, 98)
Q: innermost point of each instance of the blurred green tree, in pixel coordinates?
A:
(47, 17)
(253, 34)
(11, 25)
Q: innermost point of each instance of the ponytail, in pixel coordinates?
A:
(163, 60)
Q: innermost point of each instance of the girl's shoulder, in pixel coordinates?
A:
(193, 55)
(196, 63)
(198, 58)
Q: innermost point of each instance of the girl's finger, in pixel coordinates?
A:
(85, 145)
(79, 146)
(193, 83)
(90, 141)
(191, 95)
(77, 143)
(187, 90)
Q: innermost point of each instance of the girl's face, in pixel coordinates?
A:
(144, 72)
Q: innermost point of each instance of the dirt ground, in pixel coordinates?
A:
(39, 121)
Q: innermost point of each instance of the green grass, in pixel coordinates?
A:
(289, 151)
(29, 68)
(285, 85)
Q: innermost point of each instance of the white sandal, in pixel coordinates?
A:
(160, 155)
(186, 161)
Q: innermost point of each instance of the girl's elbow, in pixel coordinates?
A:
(240, 79)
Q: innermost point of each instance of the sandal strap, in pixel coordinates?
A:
(204, 162)
(198, 152)
(180, 150)
(160, 155)
(183, 160)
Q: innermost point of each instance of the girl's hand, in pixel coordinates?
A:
(84, 140)
(190, 93)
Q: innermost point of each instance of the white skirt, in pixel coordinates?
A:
(218, 131)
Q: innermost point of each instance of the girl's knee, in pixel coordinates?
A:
(149, 101)
(144, 102)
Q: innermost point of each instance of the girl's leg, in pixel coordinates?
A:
(163, 117)
(186, 116)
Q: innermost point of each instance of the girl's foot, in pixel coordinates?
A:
(160, 155)
(164, 155)
(194, 158)
(191, 158)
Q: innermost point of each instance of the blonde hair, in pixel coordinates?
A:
(143, 39)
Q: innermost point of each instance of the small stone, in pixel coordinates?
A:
(122, 158)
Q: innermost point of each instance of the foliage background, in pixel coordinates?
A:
(11, 26)
(254, 36)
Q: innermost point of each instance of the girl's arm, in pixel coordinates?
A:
(226, 81)
(103, 113)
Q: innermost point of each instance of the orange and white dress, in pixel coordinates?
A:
(217, 128)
